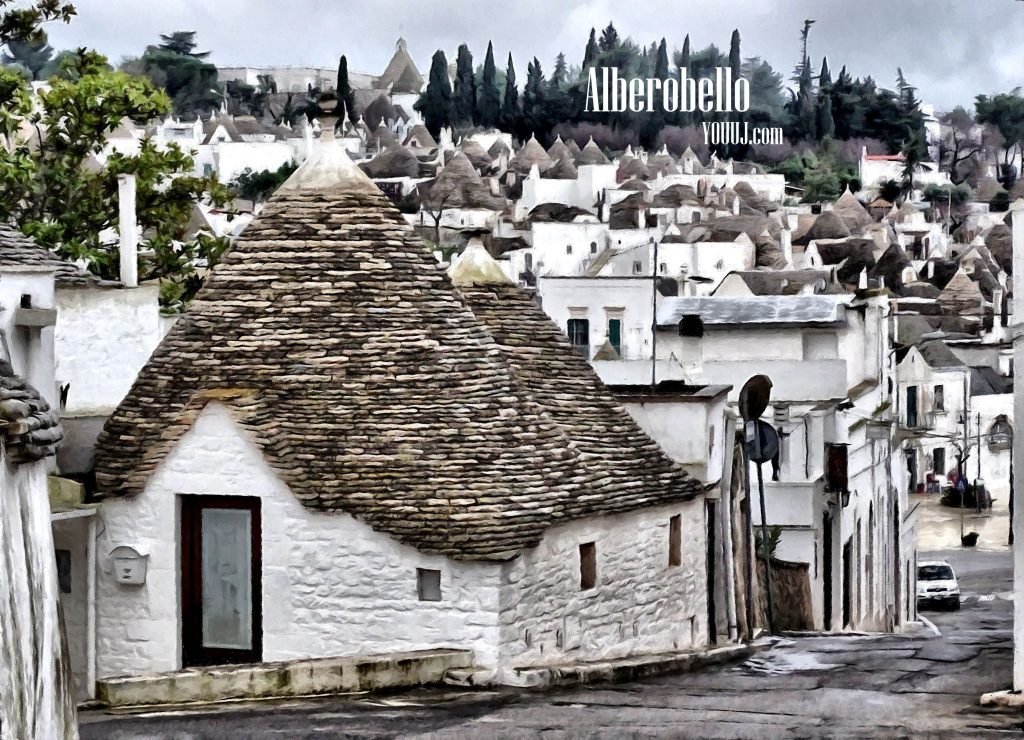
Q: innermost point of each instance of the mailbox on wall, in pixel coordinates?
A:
(129, 565)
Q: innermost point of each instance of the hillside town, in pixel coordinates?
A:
(352, 398)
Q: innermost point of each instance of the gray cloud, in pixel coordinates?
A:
(951, 50)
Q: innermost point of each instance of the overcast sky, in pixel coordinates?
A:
(950, 49)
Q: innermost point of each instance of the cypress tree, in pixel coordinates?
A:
(435, 104)
(489, 100)
(823, 113)
(661, 62)
(464, 96)
(735, 62)
(591, 53)
(509, 117)
(346, 107)
(684, 118)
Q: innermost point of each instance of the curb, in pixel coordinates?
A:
(608, 671)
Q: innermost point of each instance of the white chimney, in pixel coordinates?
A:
(129, 231)
(862, 281)
(931, 269)
(786, 239)
(997, 307)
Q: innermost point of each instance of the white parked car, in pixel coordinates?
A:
(937, 585)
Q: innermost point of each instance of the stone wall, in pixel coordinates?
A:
(639, 605)
(331, 585)
(791, 594)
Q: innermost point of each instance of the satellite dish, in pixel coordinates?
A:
(754, 397)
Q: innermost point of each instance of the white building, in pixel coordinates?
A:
(382, 511)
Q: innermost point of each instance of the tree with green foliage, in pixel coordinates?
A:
(609, 39)
(52, 195)
(823, 176)
(258, 186)
(683, 62)
(435, 104)
(464, 95)
(35, 57)
(173, 65)
(655, 121)
(22, 23)
(346, 106)
(558, 102)
(1005, 112)
(534, 111)
(488, 101)
(914, 152)
(592, 51)
(735, 61)
(825, 123)
(509, 118)
(181, 42)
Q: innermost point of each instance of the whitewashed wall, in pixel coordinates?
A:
(597, 300)
(331, 585)
(102, 340)
(640, 603)
(31, 352)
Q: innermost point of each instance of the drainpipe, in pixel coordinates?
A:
(726, 515)
(129, 231)
(90, 609)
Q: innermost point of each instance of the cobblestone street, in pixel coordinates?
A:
(918, 685)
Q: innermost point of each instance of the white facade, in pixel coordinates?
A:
(332, 586)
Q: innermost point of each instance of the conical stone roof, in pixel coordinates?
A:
(591, 154)
(531, 154)
(372, 387)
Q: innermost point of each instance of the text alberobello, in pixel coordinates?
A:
(607, 92)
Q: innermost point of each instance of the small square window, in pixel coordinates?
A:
(428, 584)
(638, 267)
(568, 248)
(588, 566)
(675, 540)
(593, 247)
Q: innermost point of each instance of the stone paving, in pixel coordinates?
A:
(891, 686)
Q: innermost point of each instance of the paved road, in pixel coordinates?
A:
(919, 685)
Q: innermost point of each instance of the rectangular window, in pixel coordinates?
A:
(579, 335)
(568, 248)
(615, 335)
(939, 399)
(428, 584)
(588, 566)
(638, 267)
(911, 406)
(836, 462)
(939, 461)
(675, 540)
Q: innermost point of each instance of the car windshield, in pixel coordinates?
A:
(935, 573)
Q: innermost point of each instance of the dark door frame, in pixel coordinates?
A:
(192, 651)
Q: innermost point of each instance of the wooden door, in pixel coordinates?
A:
(221, 584)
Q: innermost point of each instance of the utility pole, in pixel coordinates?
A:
(654, 318)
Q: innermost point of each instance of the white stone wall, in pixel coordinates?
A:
(102, 339)
(640, 603)
(331, 585)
